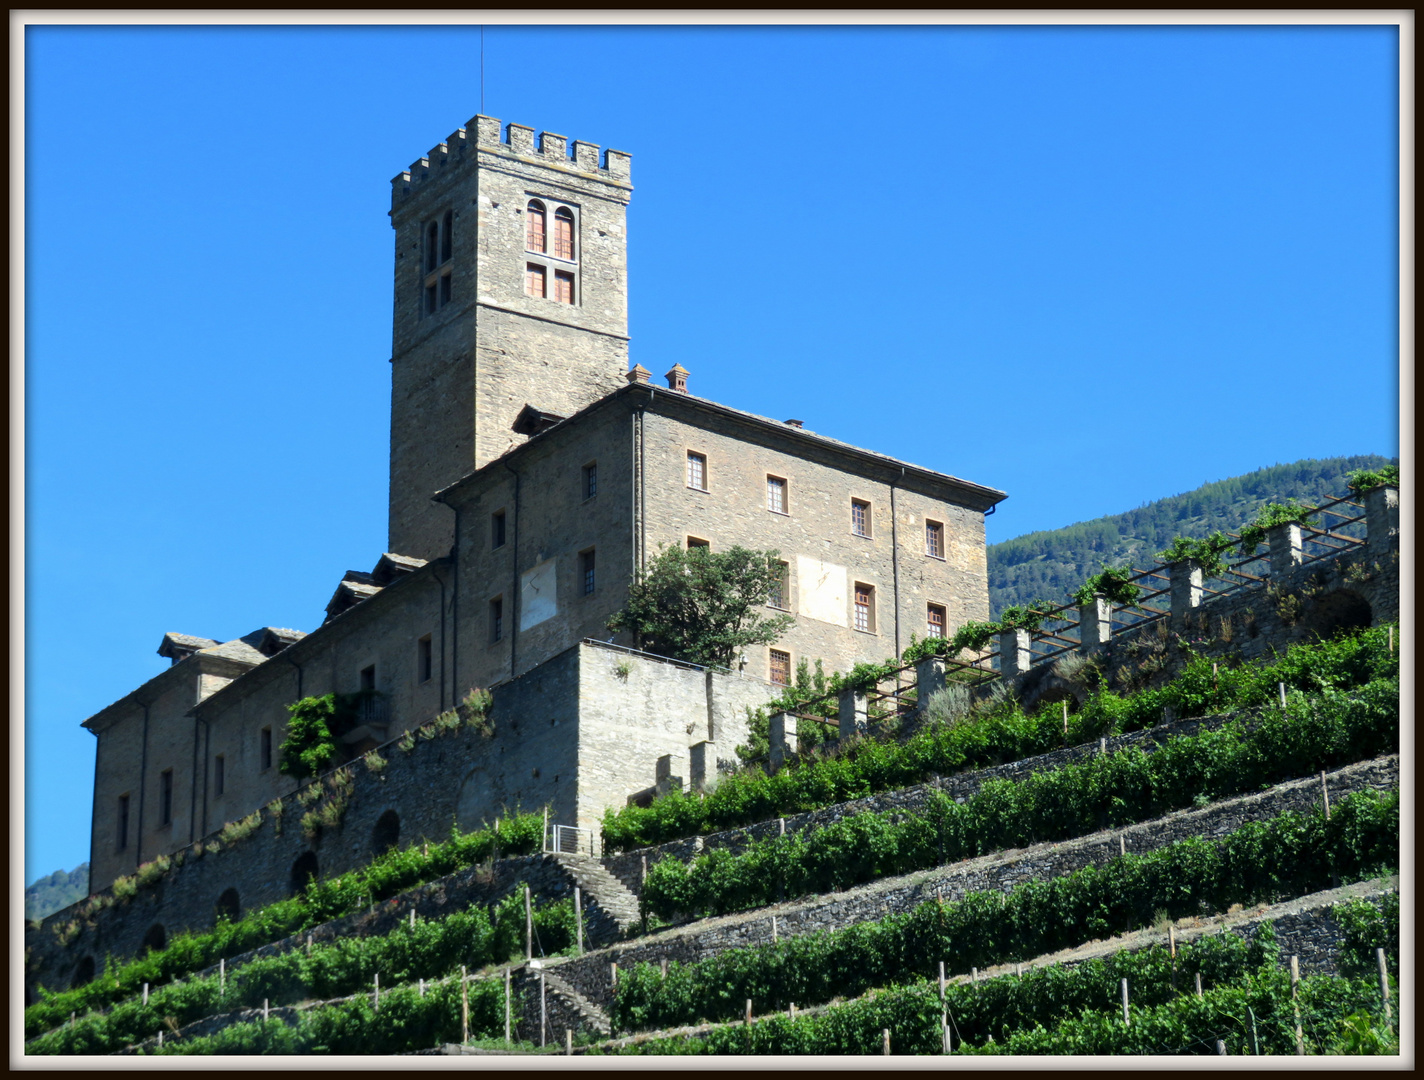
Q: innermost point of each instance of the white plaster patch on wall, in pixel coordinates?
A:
(821, 589)
(538, 599)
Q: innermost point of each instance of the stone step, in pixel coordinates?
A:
(610, 894)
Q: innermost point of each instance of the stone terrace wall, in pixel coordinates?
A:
(1001, 871)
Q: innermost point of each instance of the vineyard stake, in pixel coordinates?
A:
(265, 1010)
(941, 982)
(1295, 1005)
(544, 843)
(1172, 940)
(1384, 984)
(309, 944)
(944, 1031)
(376, 994)
(1215, 683)
(791, 1013)
(1283, 697)
(578, 917)
(749, 1011)
(464, 1006)
(528, 925)
(543, 1012)
(974, 974)
(222, 978)
(1122, 845)
(422, 987)
(494, 842)
(1102, 746)
(773, 929)
(71, 1018)
(1065, 723)
(1325, 794)
(1391, 641)
(506, 1007)
(160, 1036)
(568, 1042)
(145, 993)
(613, 975)
(412, 916)
(1199, 989)
(1018, 970)
(664, 966)
(886, 1034)
(1125, 1020)
(1220, 1047)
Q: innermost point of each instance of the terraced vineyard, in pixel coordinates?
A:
(997, 886)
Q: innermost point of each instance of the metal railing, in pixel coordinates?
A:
(571, 840)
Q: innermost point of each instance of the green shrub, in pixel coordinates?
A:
(1363, 480)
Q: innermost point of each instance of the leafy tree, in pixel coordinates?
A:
(701, 606)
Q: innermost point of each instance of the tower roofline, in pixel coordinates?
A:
(486, 135)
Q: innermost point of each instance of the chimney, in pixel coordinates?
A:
(677, 378)
(639, 374)
(795, 423)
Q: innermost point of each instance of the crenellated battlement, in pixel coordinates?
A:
(486, 133)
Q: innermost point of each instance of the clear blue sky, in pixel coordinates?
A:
(1090, 267)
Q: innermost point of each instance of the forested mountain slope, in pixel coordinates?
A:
(55, 891)
(1051, 564)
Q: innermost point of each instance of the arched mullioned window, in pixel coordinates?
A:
(564, 233)
(534, 231)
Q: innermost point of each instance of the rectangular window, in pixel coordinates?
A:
(563, 287)
(776, 495)
(266, 749)
(780, 667)
(586, 571)
(368, 677)
(590, 480)
(934, 539)
(444, 288)
(165, 797)
(697, 471)
(564, 235)
(219, 774)
(121, 826)
(780, 589)
(864, 608)
(534, 283)
(935, 625)
(424, 659)
(697, 542)
(497, 530)
(430, 299)
(496, 618)
(860, 517)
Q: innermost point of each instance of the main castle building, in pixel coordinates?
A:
(532, 474)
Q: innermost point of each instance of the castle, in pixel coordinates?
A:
(532, 474)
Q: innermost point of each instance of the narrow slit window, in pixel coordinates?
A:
(934, 627)
(432, 246)
(266, 748)
(497, 530)
(165, 797)
(564, 233)
(424, 659)
(697, 471)
(219, 774)
(534, 227)
(590, 480)
(496, 615)
(121, 825)
(780, 667)
(934, 539)
(534, 281)
(860, 517)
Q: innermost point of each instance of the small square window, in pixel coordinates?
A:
(697, 471)
(865, 608)
(496, 618)
(266, 749)
(590, 480)
(586, 571)
(934, 626)
(934, 539)
(860, 517)
(424, 659)
(780, 667)
(219, 774)
(776, 495)
(497, 530)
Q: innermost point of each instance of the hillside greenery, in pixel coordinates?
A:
(1053, 563)
(56, 891)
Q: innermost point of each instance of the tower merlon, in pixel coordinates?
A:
(486, 133)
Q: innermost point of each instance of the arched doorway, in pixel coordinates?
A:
(83, 973)
(304, 871)
(386, 833)
(229, 906)
(1341, 610)
(155, 940)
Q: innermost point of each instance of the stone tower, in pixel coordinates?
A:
(511, 289)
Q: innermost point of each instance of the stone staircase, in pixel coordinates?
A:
(615, 909)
